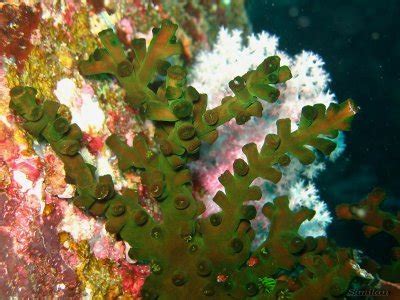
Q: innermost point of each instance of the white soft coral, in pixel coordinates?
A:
(306, 194)
(229, 58)
(232, 55)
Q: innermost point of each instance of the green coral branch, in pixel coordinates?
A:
(161, 47)
(179, 110)
(326, 271)
(170, 187)
(254, 85)
(231, 227)
(124, 214)
(321, 122)
(135, 74)
(327, 274)
(376, 220)
(369, 212)
(96, 195)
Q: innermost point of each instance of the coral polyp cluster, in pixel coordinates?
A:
(190, 256)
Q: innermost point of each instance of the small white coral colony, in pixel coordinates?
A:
(233, 55)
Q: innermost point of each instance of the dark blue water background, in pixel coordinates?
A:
(360, 42)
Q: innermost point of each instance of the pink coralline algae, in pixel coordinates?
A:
(93, 143)
(133, 277)
(32, 260)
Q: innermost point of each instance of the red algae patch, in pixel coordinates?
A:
(17, 23)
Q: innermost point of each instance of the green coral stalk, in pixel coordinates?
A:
(192, 257)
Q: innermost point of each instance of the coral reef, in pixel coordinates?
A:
(190, 256)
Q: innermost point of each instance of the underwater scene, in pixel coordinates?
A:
(199, 149)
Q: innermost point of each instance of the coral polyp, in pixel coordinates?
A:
(191, 256)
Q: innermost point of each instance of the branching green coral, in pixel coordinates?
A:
(376, 220)
(369, 212)
(191, 257)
